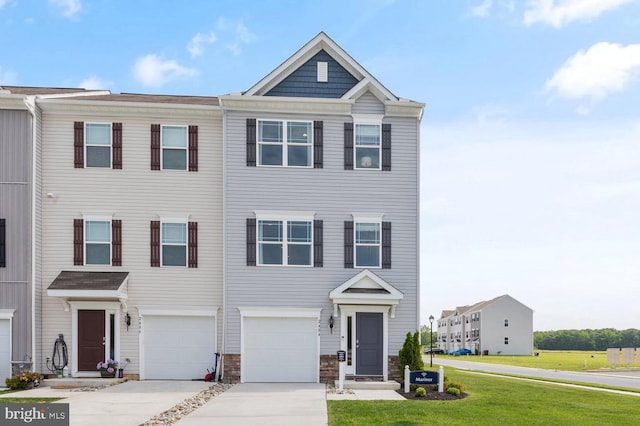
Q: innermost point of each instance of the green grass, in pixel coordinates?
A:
(495, 401)
(549, 360)
(28, 400)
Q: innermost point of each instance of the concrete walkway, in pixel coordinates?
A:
(126, 404)
(264, 404)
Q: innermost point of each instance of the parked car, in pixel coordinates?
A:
(462, 351)
(435, 351)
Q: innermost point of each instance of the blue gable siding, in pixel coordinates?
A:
(303, 81)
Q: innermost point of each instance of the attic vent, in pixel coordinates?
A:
(323, 73)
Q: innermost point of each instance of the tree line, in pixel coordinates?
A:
(587, 340)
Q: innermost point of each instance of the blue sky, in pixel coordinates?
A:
(530, 148)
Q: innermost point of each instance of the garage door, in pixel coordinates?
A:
(280, 350)
(178, 347)
(5, 345)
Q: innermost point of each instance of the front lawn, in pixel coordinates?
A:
(495, 401)
(28, 400)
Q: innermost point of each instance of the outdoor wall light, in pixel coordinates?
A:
(331, 323)
(127, 320)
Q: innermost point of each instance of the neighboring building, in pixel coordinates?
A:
(274, 226)
(500, 326)
(321, 221)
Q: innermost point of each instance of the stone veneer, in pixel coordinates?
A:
(394, 369)
(231, 368)
(329, 369)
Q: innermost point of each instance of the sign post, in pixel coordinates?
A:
(342, 358)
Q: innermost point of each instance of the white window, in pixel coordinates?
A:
(367, 146)
(97, 142)
(368, 244)
(174, 244)
(97, 238)
(284, 143)
(285, 242)
(174, 147)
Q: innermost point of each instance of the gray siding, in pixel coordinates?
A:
(368, 104)
(333, 194)
(303, 81)
(15, 207)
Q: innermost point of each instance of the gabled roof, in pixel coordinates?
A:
(366, 288)
(323, 42)
(479, 306)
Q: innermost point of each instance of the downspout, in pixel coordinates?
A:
(220, 372)
(29, 101)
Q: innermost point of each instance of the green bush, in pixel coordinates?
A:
(24, 380)
(458, 385)
(413, 388)
(410, 353)
(453, 391)
(421, 392)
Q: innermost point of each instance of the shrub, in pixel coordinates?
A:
(410, 353)
(413, 387)
(458, 385)
(453, 391)
(24, 380)
(421, 392)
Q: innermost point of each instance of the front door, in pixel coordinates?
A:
(91, 339)
(369, 343)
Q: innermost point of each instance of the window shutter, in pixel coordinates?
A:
(155, 243)
(78, 144)
(251, 142)
(386, 245)
(193, 244)
(155, 147)
(116, 130)
(348, 147)
(386, 147)
(3, 244)
(348, 244)
(317, 244)
(78, 242)
(193, 148)
(251, 242)
(116, 242)
(317, 144)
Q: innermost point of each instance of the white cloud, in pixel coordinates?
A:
(603, 69)
(3, 3)
(238, 35)
(482, 10)
(94, 83)
(7, 77)
(153, 70)
(561, 12)
(196, 44)
(69, 7)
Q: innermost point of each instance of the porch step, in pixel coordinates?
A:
(79, 382)
(352, 384)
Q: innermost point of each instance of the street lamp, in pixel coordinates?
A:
(431, 335)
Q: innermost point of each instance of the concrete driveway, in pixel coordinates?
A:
(130, 403)
(264, 404)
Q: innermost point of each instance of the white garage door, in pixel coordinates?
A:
(5, 345)
(178, 347)
(280, 350)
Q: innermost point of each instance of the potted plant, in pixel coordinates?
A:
(108, 368)
(26, 380)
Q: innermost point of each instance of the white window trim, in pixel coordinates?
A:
(186, 147)
(96, 218)
(180, 220)
(367, 119)
(356, 245)
(284, 144)
(284, 217)
(322, 71)
(86, 144)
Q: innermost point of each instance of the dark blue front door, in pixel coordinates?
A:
(369, 343)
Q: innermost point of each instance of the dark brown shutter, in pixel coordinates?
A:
(116, 130)
(116, 242)
(348, 244)
(3, 243)
(193, 148)
(193, 244)
(348, 147)
(251, 142)
(78, 144)
(155, 147)
(78, 242)
(386, 146)
(386, 245)
(251, 242)
(317, 243)
(318, 135)
(155, 243)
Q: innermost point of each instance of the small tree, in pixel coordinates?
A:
(410, 353)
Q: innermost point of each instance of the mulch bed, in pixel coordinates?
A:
(431, 395)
